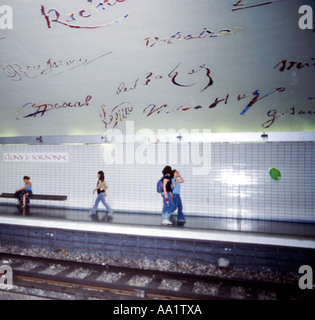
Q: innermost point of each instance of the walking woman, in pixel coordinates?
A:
(23, 195)
(168, 202)
(101, 191)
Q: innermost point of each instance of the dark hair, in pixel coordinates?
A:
(101, 173)
(173, 173)
(167, 170)
(26, 177)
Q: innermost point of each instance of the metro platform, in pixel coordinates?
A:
(245, 242)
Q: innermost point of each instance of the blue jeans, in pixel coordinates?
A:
(101, 198)
(179, 206)
(167, 210)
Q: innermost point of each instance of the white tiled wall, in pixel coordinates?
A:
(237, 185)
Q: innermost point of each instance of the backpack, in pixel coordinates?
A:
(159, 186)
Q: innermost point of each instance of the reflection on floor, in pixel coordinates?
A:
(145, 219)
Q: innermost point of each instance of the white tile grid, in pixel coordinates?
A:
(238, 184)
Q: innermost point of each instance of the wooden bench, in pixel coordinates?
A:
(37, 197)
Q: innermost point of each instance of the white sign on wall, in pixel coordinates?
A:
(36, 157)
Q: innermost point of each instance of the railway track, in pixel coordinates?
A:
(59, 279)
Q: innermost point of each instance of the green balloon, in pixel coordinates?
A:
(275, 174)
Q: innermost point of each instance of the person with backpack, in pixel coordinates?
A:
(177, 179)
(164, 187)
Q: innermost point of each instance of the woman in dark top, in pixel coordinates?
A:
(101, 194)
(168, 203)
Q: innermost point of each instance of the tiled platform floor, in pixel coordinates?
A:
(287, 228)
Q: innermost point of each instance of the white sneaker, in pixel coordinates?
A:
(166, 223)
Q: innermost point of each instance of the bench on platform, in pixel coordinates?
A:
(37, 197)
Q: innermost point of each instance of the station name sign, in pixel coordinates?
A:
(36, 157)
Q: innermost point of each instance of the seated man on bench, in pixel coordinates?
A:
(23, 195)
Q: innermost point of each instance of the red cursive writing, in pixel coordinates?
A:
(41, 109)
